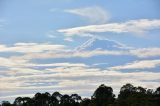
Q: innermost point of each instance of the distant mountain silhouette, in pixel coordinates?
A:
(101, 44)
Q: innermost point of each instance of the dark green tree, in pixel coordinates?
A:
(103, 96)
(135, 96)
(43, 99)
(85, 102)
(65, 100)
(75, 99)
(18, 101)
(125, 92)
(6, 103)
(57, 97)
(157, 97)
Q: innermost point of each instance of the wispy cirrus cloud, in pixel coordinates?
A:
(95, 14)
(133, 26)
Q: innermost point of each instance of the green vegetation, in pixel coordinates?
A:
(103, 96)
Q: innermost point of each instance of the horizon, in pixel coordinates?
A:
(73, 46)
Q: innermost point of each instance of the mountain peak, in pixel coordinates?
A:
(100, 44)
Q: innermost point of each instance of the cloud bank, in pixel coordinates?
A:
(132, 26)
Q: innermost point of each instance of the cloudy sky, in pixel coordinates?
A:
(73, 46)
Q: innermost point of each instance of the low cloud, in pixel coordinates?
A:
(146, 52)
(31, 47)
(76, 78)
(143, 64)
(20, 73)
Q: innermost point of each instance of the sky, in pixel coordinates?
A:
(73, 46)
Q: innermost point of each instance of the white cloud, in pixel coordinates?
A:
(15, 96)
(149, 52)
(51, 34)
(32, 51)
(98, 64)
(22, 74)
(132, 26)
(95, 14)
(31, 47)
(11, 62)
(143, 64)
(69, 39)
(61, 65)
(75, 79)
(146, 52)
(69, 54)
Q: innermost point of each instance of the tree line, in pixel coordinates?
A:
(129, 95)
